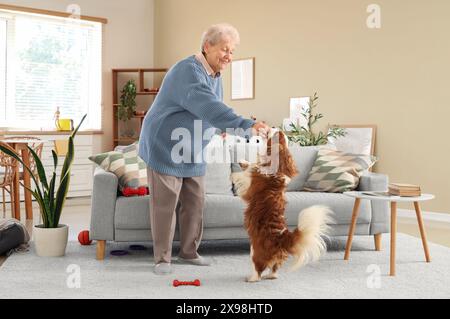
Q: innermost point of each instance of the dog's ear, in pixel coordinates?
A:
(278, 145)
(287, 164)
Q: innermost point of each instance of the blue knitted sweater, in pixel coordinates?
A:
(188, 104)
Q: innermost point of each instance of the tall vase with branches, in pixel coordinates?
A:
(306, 136)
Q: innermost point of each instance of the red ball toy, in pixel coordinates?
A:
(83, 237)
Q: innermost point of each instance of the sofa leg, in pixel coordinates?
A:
(377, 239)
(101, 245)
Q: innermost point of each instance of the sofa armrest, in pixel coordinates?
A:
(103, 205)
(373, 182)
(380, 209)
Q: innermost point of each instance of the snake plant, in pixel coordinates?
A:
(305, 136)
(51, 201)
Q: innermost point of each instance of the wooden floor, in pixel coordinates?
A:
(77, 215)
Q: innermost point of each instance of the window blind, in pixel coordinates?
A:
(2, 67)
(51, 62)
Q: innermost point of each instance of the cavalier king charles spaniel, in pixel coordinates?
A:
(262, 186)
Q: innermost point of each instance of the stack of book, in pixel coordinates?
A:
(404, 189)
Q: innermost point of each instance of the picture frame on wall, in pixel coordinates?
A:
(243, 79)
(359, 139)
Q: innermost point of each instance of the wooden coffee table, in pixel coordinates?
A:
(393, 200)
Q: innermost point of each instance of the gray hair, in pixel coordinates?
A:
(215, 33)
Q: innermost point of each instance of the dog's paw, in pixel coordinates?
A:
(252, 278)
(271, 276)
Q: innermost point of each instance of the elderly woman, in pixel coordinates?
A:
(191, 91)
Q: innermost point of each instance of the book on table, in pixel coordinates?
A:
(376, 193)
(404, 189)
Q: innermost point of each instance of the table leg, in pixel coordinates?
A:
(355, 213)
(422, 232)
(393, 236)
(27, 183)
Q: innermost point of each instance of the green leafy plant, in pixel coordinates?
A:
(127, 105)
(306, 137)
(51, 201)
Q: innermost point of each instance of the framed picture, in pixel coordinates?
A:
(360, 139)
(243, 79)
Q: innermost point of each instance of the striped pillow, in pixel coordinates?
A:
(125, 164)
(336, 171)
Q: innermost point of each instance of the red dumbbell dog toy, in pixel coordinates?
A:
(177, 283)
(140, 191)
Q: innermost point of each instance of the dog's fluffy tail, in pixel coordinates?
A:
(312, 227)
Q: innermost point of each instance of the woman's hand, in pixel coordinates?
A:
(261, 129)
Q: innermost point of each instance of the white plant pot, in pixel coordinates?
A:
(50, 242)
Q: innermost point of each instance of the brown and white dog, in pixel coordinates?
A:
(262, 185)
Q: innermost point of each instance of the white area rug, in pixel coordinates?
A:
(365, 275)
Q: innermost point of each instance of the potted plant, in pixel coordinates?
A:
(50, 237)
(127, 106)
(306, 137)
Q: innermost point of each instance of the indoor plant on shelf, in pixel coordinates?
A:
(306, 137)
(50, 238)
(127, 107)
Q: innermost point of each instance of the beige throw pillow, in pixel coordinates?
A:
(336, 171)
(125, 164)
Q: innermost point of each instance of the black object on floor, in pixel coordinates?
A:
(119, 252)
(10, 238)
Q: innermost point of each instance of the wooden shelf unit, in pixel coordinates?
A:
(140, 87)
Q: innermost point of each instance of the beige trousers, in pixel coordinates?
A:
(165, 192)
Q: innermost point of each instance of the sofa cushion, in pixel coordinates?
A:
(132, 212)
(304, 157)
(218, 169)
(223, 211)
(125, 164)
(219, 211)
(228, 211)
(341, 205)
(336, 171)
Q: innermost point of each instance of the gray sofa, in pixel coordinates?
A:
(127, 219)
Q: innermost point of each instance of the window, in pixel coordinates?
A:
(2, 67)
(48, 62)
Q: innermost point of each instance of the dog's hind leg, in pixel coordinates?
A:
(273, 273)
(256, 275)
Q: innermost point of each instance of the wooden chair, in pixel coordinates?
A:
(37, 148)
(7, 171)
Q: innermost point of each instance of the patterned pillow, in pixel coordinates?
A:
(125, 164)
(336, 171)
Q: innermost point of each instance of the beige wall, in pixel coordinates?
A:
(128, 41)
(396, 77)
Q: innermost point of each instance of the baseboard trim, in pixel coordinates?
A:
(427, 216)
